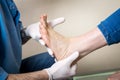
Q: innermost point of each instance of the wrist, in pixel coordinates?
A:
(46, 75)
(38, 75)
(41, 75)
(49, 75)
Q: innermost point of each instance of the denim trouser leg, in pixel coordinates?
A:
(110, 28)
(37, 62)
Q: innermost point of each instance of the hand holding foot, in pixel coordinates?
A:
(54, 40)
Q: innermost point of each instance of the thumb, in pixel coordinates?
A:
(57, 21)
(72, 57)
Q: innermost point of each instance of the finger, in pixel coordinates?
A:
(45, 39)
(72, 57)
(33, 30)
(50, 52)
(57, 21)
(41, 42)
(73, 69)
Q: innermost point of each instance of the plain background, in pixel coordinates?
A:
(81, 16)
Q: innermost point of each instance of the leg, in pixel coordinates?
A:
(62, 46)
(37, 62)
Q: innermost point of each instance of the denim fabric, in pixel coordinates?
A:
(110, 28)
(37, 62)
(10, 44)
(3, 74)
(10, 40)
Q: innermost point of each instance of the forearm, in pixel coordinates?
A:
(39, 75)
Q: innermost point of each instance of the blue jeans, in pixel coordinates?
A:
(37, 62)
(110, 28)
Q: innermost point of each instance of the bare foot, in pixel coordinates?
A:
(59, 44)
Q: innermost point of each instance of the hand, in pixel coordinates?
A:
(33, 31)
(63, 69)
(59, 44)
(115, 76)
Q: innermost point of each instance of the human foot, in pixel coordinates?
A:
(59, 44)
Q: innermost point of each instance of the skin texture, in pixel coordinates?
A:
(38, 75)
(63, 46)
(57, 40)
